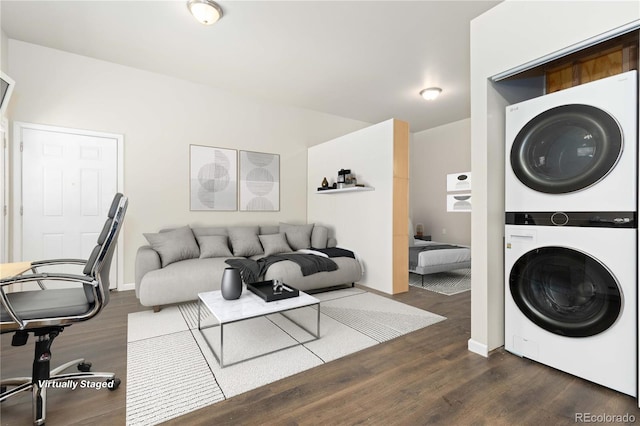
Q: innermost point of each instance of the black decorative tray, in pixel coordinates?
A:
(264, 289)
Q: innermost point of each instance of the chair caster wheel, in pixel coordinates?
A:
(84, 367)
(113, 384)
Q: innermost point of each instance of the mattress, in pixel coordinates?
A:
(432, 261)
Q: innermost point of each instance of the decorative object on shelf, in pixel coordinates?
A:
(419, 229)
(459, 202)
(213, 182)
(231, 285)
(346, 179)
(325, 183)
(459, 182)
(259, 181)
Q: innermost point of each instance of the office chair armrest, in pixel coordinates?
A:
(53, 262)
(50, 262)
(20, 279)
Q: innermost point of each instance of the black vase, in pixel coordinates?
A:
(231, 285)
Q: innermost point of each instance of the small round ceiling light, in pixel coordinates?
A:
(431, 93)
(206, 12)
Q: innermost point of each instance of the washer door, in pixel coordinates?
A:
(566, 149)
(565, 292)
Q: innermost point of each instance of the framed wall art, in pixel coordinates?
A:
(213, 178)
(259, 181)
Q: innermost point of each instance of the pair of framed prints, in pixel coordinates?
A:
(227, 179)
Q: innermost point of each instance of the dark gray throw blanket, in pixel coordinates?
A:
(336, 252)
(415, 251)
(252, 270)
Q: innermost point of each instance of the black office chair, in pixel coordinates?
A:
(46, 312)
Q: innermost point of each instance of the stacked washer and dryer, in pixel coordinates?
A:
(571, 231)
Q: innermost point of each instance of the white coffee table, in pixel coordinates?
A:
(250, 306)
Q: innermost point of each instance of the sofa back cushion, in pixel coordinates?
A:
(244, 240)
(319, 237)
(175, 245)
(214, 246)
(210, 230)
(274, 244)
(298, 236)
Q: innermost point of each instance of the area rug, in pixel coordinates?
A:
(449, 283)
(171, 370)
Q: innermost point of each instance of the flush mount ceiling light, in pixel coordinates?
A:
(206, 12)
(431, 93)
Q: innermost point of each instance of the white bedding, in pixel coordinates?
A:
(441, 257)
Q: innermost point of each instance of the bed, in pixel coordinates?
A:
(430, 257)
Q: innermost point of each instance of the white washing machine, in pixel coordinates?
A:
(574, 150)
(570, 295)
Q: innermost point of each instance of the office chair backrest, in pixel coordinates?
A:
(98, 265)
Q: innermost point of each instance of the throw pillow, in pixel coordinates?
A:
(298, 236)
(173, 246)
(244, 241)
(274, 244)
(214, 246)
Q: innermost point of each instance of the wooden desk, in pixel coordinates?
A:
(10, 269)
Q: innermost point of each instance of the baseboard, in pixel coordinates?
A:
(127, 287)
(478, 348)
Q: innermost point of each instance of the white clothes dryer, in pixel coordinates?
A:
(570, 295)
(575, 149)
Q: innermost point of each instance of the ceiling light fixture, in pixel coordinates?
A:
(431, 93)
(206, 12)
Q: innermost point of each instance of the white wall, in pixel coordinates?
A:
(504, 37)
(4, 50)
(434, 153)
(159, 117)
(361, 221)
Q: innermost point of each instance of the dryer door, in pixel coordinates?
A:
(566, 148)
(566, 292)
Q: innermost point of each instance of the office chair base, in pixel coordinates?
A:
(39, 387)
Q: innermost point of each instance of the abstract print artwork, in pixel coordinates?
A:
(213, 175)
(259, 181)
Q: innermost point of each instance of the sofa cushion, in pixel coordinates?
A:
(244, 240)
(319, 237)
(175, 245)
(274, 244)
(269, 229)
(213, 246)
(298, 236)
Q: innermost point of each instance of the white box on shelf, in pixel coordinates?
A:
(459, 182)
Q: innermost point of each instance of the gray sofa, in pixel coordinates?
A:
(182, 262)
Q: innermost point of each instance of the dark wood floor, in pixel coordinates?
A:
(426, 377)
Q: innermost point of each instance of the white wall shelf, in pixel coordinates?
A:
(350, 189)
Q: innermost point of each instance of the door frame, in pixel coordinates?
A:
(16, 208)
(4, 190)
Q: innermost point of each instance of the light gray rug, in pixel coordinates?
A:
(449, 283)
(171, 371)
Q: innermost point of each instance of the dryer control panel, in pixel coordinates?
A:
(583, 219)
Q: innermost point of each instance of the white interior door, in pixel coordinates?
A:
(68, 181)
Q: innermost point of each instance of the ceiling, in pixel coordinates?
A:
(365, 60)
